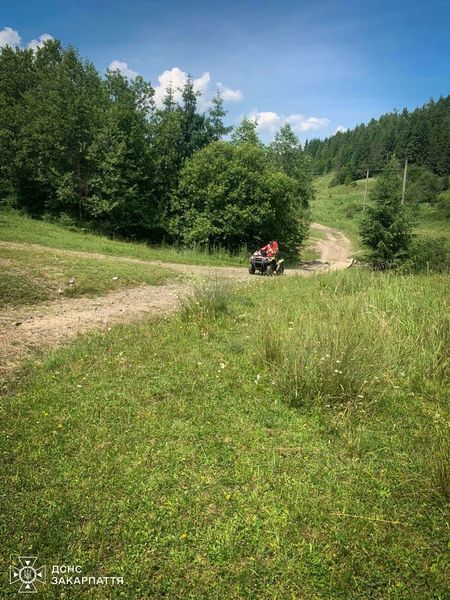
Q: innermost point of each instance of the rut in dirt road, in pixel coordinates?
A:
(27, 330)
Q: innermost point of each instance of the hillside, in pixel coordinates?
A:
(422, 136)
(341, 206)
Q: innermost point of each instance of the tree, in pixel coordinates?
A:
(216, 115)
(386, 230)
(55, 101)
(122, 198)
(422, 136)
(246, 133)
(231, 195)
(286, 154)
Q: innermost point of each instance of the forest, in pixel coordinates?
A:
(422, 136)
(80, 148)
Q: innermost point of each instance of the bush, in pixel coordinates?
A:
(231, 195)
(429, 255)
(423, 186)
(444, 205)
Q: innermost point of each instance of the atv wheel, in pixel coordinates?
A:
(251, 269)
(280, 270)
(269, 270)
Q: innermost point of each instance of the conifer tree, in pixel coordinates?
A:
(386, 230)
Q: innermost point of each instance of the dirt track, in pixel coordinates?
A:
(27, 330)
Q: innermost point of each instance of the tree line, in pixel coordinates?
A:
(422, 136)
(79, 147)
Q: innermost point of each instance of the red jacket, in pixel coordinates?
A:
(271, 248)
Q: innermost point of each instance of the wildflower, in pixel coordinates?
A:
(258, 377)
(183, 536)
(222, 365)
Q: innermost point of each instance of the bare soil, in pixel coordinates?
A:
(27, 331)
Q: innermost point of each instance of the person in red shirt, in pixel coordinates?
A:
(271, 249)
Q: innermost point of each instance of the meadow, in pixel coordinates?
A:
(282, 440)
(243, 449)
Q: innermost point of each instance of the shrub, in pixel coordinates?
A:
(428, 254)
(231, 195)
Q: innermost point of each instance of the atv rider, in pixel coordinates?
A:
(270, 249)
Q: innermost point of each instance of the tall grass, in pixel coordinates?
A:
(208, 301)
(352, 346)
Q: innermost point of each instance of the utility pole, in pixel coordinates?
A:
(365, 191)
(405, 174)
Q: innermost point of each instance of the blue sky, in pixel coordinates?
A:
(318, 65)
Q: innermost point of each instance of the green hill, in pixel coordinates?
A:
(341, 206)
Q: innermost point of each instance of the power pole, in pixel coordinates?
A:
(405, 174)
(365, 191)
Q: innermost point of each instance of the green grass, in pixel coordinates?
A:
(244, 449)
(309, 251)
(18, 228)
(340, 206)
(30, 276)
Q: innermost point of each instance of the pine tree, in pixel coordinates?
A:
(386, 230)
(286, 154)
(216, 115)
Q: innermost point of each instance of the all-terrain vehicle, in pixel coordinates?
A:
(266, 265)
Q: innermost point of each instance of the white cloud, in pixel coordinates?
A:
(118, 65)
(12, 38)
(341, 129)
(177, 78)
(300, 124)
(9, 37)
(35, 44)
(270, 122)
(228, 94)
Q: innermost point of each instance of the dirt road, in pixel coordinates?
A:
(26, 331)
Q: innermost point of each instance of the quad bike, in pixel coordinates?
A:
(266, 265)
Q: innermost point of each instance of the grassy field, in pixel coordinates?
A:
(18, 228)
(29, 276)
(245, 448)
